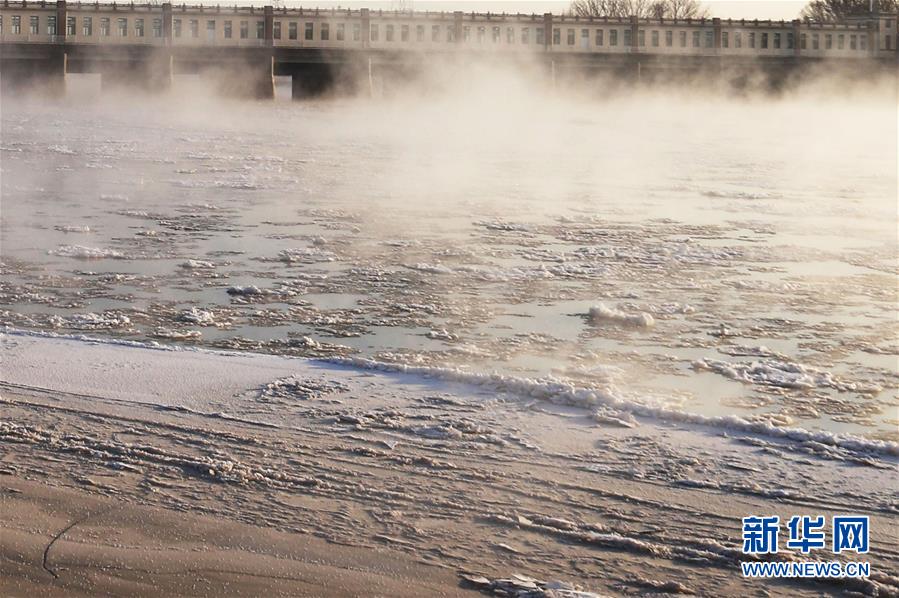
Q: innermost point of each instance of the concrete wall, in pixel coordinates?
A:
(209, 27)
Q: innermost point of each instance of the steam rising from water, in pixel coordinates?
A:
(482, 218)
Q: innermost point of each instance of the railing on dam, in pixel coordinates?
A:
(205, 26)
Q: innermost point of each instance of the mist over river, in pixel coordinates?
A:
(705, 253)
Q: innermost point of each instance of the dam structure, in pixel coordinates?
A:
(244, 48)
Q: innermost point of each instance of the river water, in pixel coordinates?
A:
(713, 255)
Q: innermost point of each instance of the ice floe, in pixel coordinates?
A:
(306, 255)
(561, 392)
(177, 335)
(198, 317)
(87, 253)
(602, 314)
(248, 290)
(784, 374)
(92, 321)
(197, 265)
(70, 228)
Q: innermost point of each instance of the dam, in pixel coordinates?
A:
(144, 45)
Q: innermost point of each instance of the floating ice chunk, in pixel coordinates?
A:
(573, 270)
(204, 206)
(305, 341)
(168, 333)
(73, 229)
(92, 321)
(490, 274)
(601, 313)
(767, 373)
(248, 290)
(540, 272)
(441, 334)
(401, 243)
(499, 225)
(747, 351)
(199, 317)
(305, 255)
(61, 149)
(416, 308)
(722, 331)
(196, 265)
(784, 374)
(117, 277)
(87, 253)
(134, 213)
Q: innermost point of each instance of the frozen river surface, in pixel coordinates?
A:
(718, 258)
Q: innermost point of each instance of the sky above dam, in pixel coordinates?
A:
(733, 9)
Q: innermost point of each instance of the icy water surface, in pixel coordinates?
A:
(714, 256)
